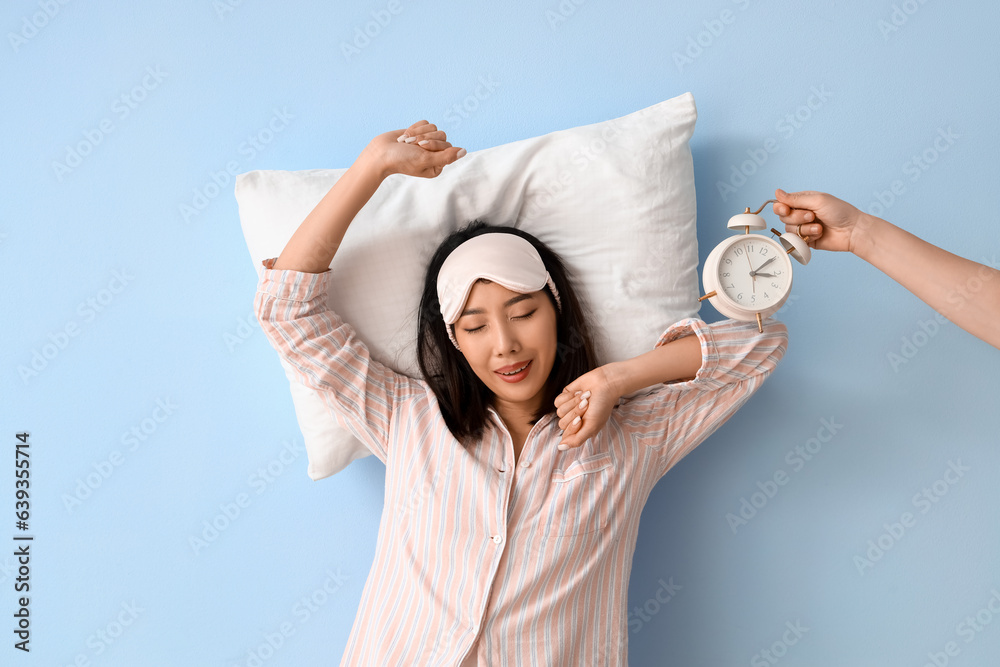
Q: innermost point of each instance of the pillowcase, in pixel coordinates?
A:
(615, 200)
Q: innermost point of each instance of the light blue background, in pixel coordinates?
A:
(168, 335)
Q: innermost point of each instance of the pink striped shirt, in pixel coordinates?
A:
(481, 563)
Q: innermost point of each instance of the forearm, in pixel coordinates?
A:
(677, 360)
(966, 292)
(314, 244)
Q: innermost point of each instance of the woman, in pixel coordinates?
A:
(495, 546)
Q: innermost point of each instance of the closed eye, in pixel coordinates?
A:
(520, 317)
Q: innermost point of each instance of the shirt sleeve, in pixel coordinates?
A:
(327, 355)
(676, 417)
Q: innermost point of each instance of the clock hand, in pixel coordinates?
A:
(769, 275)
(766, 263)
(754, 272)
(753, 278)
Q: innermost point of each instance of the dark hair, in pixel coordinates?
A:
(463, 397)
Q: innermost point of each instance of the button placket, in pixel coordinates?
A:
(528, 441)
(497, 539)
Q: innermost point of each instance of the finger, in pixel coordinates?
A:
(567, 441)
(807, 199)
(785, 211)
(803, 230)
(433, 137)
(414, 129)
(798, 217)
(570, 414)
(433, 145)
(573, 426)
(416, 136)
(576, 411)
(434, 162)
(566, 402)
(420, 130)
(446, 156)
(566, 396)
(813, 232)
(567, 407)
(579, 435)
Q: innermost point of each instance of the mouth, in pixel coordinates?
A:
(516, 374)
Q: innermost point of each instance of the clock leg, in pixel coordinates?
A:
(760, 325)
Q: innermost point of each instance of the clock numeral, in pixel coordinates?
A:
(738, 252)
(731, 286)
(749, 248)
(739, 297)
(725, 275)
(774, 285)
(763, 250)
(753, 298)
(729, 261)
(766, 296)
(777, 272)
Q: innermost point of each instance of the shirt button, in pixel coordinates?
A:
(497, 539)
(525, 464)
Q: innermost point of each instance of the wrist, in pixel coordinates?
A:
(617, 376)
(864, 238)
(626, 377)
(370, 162)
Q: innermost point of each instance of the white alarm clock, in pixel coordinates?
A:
(749, 276)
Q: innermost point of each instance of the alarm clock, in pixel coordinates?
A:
(749, 276)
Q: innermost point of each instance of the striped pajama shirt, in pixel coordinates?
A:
(479, 562)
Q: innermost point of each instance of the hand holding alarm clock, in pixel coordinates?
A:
(749, 276)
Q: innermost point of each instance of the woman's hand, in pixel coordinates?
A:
(828, 222)
(584, 407)
(419, 150)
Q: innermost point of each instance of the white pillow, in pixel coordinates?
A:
(615, 200)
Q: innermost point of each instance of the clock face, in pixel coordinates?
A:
(754, 272)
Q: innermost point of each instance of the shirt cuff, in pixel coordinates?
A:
(291, 284)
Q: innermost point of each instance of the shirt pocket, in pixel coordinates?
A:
(578, 498)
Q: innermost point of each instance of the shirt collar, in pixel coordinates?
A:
(500, 419)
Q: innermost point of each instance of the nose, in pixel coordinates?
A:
(505, 340)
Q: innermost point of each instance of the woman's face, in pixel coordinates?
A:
(499, 327)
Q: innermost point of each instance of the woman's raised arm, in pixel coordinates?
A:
(314, 244)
